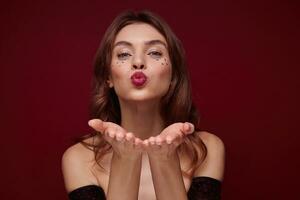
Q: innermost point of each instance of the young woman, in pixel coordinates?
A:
(146, 143)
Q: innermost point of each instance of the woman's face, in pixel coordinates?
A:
(140, 48)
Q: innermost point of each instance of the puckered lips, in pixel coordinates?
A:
(138, 79)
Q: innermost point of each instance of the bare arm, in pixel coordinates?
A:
(125, 168)
(167, 178)
(124, 178)
(125, 164)
(164, 161)
(165, 166)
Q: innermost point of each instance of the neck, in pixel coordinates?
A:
(142, 119)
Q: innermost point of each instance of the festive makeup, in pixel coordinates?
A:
(140, 63)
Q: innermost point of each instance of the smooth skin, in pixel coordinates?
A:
(144, 163)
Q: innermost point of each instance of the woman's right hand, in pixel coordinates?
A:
(124, 143)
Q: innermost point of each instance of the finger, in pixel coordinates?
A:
(129, 137)
(169, 139)
(120, 136)
(146, 143)
(129, 140)
(173, 128)
(111, 133)
(109, 139)
(138, 143)
(96, 124)
(178, 140)
(119, 128)
(188, 128)
(152, 144)
(173, 138)
(192, 128)
(152, 140)
(158, 140)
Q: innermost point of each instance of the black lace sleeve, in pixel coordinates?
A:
(204, 188)
(88, 192)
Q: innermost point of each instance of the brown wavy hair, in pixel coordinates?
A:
(176, 105)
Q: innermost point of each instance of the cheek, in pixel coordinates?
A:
(166, 73)
(165, 62)
(161, 78)
(118, 70)
(163, 69)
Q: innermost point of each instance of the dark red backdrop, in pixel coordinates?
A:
(242, 59)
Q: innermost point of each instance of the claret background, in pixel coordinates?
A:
(244, 63)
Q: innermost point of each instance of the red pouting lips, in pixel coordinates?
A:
(138, 78)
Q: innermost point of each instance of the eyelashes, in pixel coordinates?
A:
(155, 54)
(125, 55)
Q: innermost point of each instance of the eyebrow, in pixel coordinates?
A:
(153, 42)
(148, 43)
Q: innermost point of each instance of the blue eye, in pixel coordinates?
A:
(123, 55)
(155, 53)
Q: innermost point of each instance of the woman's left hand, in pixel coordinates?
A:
(165, 144)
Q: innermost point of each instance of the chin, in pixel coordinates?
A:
(140, 97)
(143, 95)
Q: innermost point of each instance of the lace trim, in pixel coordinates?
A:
(202, 188)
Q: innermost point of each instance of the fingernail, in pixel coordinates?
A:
(192, 127)
(168, 140)
(90, 122)
(94, 121)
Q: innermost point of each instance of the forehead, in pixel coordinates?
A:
(139, 33)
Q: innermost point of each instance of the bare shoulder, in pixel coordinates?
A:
(214, 164)
(211, 140)
(76, 166)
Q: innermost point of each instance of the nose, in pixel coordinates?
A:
(139, 66)
(138, 62)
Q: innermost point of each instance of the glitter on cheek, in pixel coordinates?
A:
(118, 64)
(165, 62)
